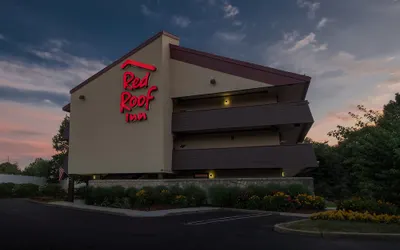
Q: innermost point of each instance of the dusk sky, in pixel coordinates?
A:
(350, 48)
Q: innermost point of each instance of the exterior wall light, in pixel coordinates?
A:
(94, 177)
(213, 81)
(283, 173)
(227, 102)
(82, 97)
(211, 175)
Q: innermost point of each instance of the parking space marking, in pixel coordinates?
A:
(225, 219)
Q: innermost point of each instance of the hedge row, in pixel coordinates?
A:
(11, 190)
(368, 205)
(268, 197)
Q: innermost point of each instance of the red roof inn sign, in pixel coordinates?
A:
(132, 83)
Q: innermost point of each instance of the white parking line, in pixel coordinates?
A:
(224, 219)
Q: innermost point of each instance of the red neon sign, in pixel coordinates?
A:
(131, 82)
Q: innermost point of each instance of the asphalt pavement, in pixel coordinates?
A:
(26, 225)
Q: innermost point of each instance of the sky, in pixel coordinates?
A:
(350, 48)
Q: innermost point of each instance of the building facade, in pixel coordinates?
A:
(165, 111)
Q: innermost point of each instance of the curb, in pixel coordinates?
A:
(268, 212)
(81, 209)
(282, 228)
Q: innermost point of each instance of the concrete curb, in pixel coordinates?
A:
(282, 228)
(268, 212)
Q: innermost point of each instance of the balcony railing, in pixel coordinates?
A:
(247, 117)
(288, 157)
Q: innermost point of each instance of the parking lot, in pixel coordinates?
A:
(26, 225)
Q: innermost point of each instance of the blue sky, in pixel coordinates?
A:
(350, 48)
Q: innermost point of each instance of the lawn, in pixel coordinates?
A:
(344, 226)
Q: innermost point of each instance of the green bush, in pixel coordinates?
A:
(263, 190)
(6, 190)
(239, 197)
(220, 196)
(130, 193)
(368, 205)
(180, 200)
(175, 190)
(254, 202)
(26, 190)
(53, 190)
(279, 202)
(196, 196)
(104, 196)
(311, 202)
(143, 197)
(295, 189)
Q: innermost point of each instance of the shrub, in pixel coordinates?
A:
(263, 190)
(295, 189)
(195, 195)
(311, 202)
(26, 190)
(221, 196)
(254, 202)
(240, 197)
(6, 189)
(103, 196)
(342, 215)
(180, 200)
(143, 198)
(175, 190)
(279, 202)
(130, 193)
(53, 190)
(370, 205)
(121, 203)
(166, 197)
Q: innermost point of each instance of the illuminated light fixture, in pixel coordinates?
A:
(94, 177)
(283, 173)
(227, 101)
(211, 175)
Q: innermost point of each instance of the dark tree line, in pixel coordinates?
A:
(366, 160)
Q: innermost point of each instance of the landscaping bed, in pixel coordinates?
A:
(293, 198)
(344, 226)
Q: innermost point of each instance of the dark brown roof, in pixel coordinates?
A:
(142, 45)
(67, 108)
(235, 67)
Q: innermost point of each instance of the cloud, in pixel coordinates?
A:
(146, 11)
(340, 79)
(230, 36)
(311, 6)
(2, 37)
(322, 23)
(230, 10)
(237, 23)
(71, 70)
(33, 96)
(181, 21)
(309, 39)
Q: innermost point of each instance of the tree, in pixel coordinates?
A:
(9, 168)
(61, 146)
(39, 167)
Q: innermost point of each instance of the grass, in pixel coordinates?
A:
(344, 226)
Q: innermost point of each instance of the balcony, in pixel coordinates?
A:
(238, 118)
(288, 157)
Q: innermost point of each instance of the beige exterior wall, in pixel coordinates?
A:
(225, 102)
(100, 139)
(227, 140)
(189, 80)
